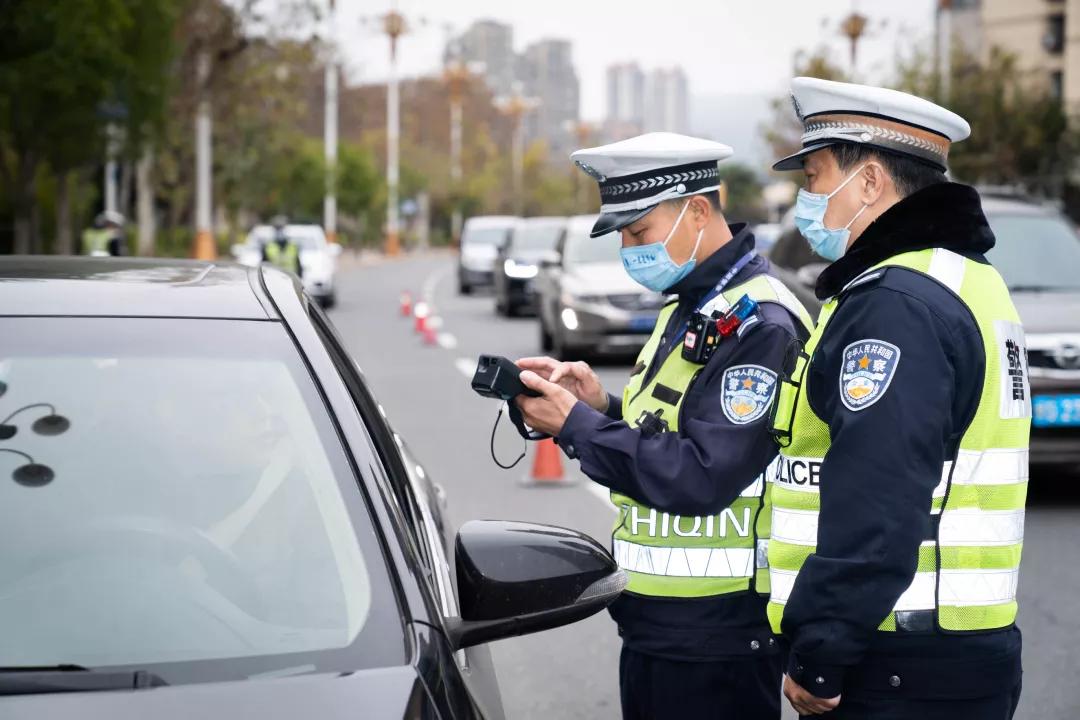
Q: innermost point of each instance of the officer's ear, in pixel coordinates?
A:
(700, 211)
(874, 182)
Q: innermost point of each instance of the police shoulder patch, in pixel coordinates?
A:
(867, 368)
(748, 392)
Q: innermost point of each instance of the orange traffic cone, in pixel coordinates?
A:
(406, 304)
(547, 469)
(420, 312)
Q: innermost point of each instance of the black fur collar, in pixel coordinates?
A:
(947, 215)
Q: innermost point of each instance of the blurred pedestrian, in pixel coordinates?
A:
(282, 251)
(683, 452)
(106, 236)
(898, 511)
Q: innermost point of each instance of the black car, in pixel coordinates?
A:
(518, 261)
(205, 514)
(1038, 255)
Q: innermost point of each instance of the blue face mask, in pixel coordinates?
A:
(810, 219)
(651, 266)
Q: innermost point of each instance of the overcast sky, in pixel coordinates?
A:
(727, 47)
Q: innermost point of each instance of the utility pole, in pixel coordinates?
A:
(457, 77)
(330, 126)
(514, 107)
(394, 27)
(204, 249)
(112, 141)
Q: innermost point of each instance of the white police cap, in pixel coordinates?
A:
(836, 112)
(637, 174)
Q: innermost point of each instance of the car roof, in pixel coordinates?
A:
(547, 220)
(997, 205)
(492, 221)
(131, 287)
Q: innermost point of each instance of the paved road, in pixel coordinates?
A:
(572, 672)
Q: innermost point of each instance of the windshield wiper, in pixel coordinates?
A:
(29, 680)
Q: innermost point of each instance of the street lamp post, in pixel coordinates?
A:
(457, 78)
(205, 248)
(394, 27)
(330, 128)
(514, 107)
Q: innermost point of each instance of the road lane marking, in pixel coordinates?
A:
(432, 281)
(447, 341)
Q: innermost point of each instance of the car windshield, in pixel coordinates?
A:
(305, 237)
(581, 249)
(173, 497)
(1035, 252)
(485, 236)
(537, 236)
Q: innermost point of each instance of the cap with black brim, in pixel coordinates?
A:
(795, 160)
(614, 221)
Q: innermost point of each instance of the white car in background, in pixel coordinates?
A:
(481, 239)
(318, 257)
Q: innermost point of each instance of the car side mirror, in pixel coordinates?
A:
(334, 249)
(808, 274)
(516, 578)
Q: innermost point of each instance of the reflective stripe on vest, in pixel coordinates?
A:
(967, 574)
(671, 556)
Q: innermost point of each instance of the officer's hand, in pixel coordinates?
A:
(805, 702)
(546, 413)
(577, 377)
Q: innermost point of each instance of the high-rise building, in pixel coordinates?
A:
(1043, 35)
(547, 73)
(491, 44)
(667, 104)
(625, 101)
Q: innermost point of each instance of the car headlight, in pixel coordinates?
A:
(521, 271)
(569, 319)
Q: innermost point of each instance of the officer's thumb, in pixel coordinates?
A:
(534, 382)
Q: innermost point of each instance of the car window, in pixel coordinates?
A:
(1035, 252)
(485, 236)
(406, 477)
(536, 236)
(306, 237)
(198, 518)
(581, 249)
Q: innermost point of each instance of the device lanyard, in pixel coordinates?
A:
(719, 288)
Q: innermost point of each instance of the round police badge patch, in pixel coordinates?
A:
(868, 368)
(748, 392)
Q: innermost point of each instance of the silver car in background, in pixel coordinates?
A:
(586, 303)
(481, 239)
(318, 257)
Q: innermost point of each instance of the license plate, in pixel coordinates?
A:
(1055, 410)
(643, 323)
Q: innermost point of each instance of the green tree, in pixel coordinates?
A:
(1020, 135)
(743, 188)
(50, 96)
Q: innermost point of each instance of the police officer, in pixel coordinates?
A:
(684, 449)
(282, 252)
(898, 509)
(105, 237)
